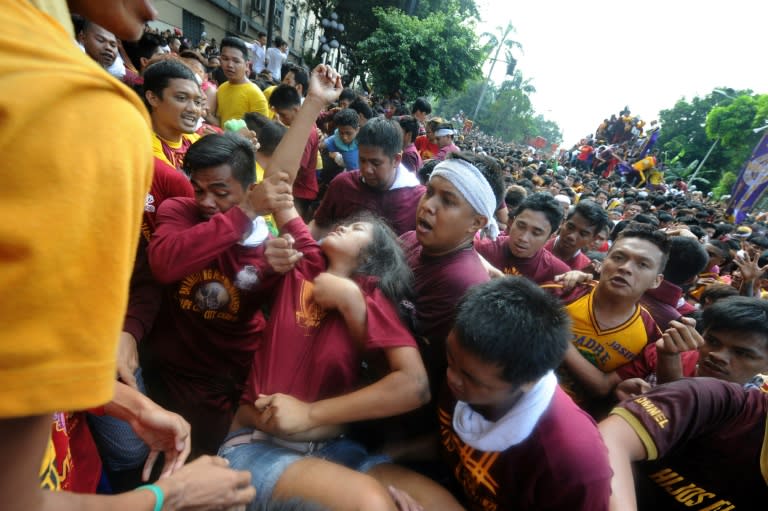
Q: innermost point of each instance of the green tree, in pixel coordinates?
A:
(420, 56)
(360, 20)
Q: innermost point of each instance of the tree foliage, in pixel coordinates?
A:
(420, 56)
(725, 116)
(360, 20)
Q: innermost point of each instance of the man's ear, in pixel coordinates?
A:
(152, 98)
(657, 282)
(397, 158)
(479, 222)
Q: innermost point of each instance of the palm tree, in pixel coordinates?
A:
(496, 41)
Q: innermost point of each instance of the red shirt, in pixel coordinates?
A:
(707, 444)
(562, 465)
(426, 149)
(347, 195)
(541, 267)
(71, 461)
(308, 352)
(577, 262)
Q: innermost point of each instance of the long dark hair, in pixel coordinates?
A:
(384, 258)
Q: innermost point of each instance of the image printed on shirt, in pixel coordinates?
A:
(211, 294)
(308, 313)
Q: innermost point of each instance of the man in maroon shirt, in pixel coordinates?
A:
(208, 251)
(512, 437)
(383, 185)
(522, 251)
(581, 227)
(705, 445)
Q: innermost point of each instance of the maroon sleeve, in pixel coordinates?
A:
(672, 414)
(182, 244)
(312, 261)
(642, 365)
(492, 250)
(144, 297)
(385, 330)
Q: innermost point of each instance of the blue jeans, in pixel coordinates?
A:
(267, 461)
(119, 447)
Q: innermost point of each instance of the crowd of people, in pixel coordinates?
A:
(326, 302)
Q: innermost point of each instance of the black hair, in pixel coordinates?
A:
(360, 106)
(410, 125)
(300, 76)
(426, 170)
(723, 247)
(697, 231)
(348, 95)
(237, 43)
(268, 132)
(346, 117)
(144, 48)
(643, 218)
(512, 323)
(514, 195)
(382, 133)
(739, 313)
(543, 202)
(230, 149)
(714, 293)
(489, 168)
(260, 35)
(284, 96)
(760, 241)
(651, 234)
(421, 105)
(687, 258)
(384, 258)
(663, 216)
(158, 75)
(592, 212)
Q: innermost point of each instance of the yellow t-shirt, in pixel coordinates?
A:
(234, 101)
(77, 165)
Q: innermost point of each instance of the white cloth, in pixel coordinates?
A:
(259, 53)
(275, 59)
(471, 183)
(513, 428)
(259, 233)
(404, 178)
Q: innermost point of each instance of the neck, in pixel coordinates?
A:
(558, 250)
(169, 134)
(466, 243)
(610, 310)
(341, 268)
(495, 412)
(238, 81)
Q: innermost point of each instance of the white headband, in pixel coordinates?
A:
(473, 186)
(444, 131)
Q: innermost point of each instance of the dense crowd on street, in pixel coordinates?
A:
(253, 286)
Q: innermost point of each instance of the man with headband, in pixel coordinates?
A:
(444, 135)
(462, 196)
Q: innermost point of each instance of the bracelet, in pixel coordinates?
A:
(159, 496)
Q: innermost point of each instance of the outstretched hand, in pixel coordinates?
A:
(325, 84)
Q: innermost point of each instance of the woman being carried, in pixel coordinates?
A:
(337, 304)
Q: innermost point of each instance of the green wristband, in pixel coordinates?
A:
(159, 497)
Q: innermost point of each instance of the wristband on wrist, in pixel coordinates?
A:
(159, 496)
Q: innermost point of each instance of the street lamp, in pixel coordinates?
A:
(333, 29)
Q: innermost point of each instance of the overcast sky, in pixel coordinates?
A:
(590, 58)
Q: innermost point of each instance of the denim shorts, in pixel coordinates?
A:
(267, 461)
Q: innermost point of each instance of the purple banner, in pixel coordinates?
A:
(751, 183)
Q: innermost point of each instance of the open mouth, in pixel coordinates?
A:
(710, 368)
(618, 281)
(422, 225)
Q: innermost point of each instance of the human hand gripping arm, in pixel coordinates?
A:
(161, 430)
(404, 389)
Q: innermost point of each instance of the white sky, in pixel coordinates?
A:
(590, 58)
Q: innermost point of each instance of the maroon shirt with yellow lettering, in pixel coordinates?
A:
(707, 443)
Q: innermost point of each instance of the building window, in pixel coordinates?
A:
(259, 6)
(279, 13)
(292, 30)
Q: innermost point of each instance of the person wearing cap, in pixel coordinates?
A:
(522, 252)
(444, 135)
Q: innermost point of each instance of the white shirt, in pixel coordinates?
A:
(275, 59)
